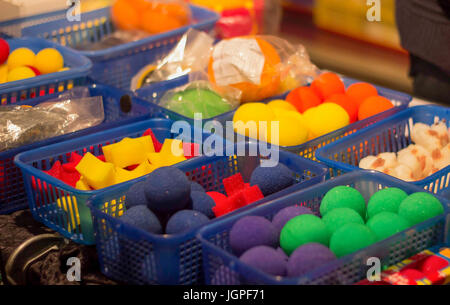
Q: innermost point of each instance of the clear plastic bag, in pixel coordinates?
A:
(200, 96)
(150, 16)
(22, 125)
(114, 39)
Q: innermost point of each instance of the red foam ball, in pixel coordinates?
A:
(4, 51)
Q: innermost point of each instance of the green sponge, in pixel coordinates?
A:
(419, 207)
(386, 224)
(343, 197)
(339, 217)
(387, 200)
(301, 230)
(350, 238)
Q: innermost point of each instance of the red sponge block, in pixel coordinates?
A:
(233, 184)
(252, 194)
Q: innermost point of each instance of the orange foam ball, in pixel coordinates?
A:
(373, 105)
(303, 98)
(124, 15)
(347, 103)
(328, 84)
(155, 22)
(361, 91)
(270, 77)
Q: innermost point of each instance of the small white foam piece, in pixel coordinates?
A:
(441, 158)
(418, 159)
(403, 172)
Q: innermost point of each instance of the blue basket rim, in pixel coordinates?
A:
(322, 152)
(40, 80)
(319, 169)
(353, 176)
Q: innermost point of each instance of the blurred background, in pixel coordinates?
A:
(336, 33)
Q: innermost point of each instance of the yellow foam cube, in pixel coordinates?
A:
(97, 174)
(147, 142)
(143, 169)
(82, 185)
(160, 160)
(127, 152)
(172, 147)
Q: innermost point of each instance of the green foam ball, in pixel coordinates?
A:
(301, 230)
(419, 207)
(385, 224)
(339, 217)
(385, 200)
(351, 238)
(343, 197)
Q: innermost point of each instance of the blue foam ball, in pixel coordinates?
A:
(167, 190)
(196, 187)
(272, 179)
(307, 258)
(252, 231)
(203, 203)
(286, 214)
(184, 221)
(135, 195)
(141, 217)
(266, 259)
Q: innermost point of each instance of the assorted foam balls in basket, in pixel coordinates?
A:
(297, 241)
(168, 202)
(311, 111)
(23, 63)
(125, 160)
(429, 154)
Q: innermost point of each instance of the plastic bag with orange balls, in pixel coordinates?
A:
(151, 16)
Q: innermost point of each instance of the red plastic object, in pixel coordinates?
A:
(252, 194)
(4, 51)
(191, 150)
(233, 184)
(156, 143)
(235, 22)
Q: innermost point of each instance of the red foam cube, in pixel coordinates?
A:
(252, 194)
(191, 150)
(55, 170)
(233, 184)
(237, 200)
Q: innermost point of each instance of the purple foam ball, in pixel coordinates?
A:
(281, 251)
(307, 258)
(141, 217)
(266, 259)
(185, 221)
(286, 214)
(252, 231)
(135, 195)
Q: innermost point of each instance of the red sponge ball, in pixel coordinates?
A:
(4, 51)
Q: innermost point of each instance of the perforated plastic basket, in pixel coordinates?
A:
(118, 111)
(117, 65)
(134, 256)
(390, 135)
(224, 268)
(79, 67)
(153, 93)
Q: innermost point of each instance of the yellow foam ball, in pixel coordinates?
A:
(247, 118)
(49, 61)
(282, 104)
(325, 118)
(292, 130)
(20, 73)
(21, 57)
(3, 73)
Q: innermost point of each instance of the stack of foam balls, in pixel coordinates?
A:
(23, 63)
(168, 202)
(296, 241)
(312, 111)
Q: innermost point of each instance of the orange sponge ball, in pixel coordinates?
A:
(328, 84)
(347, 103)
(303, 98)
(373, 105)
(361, 91)
(124, 15)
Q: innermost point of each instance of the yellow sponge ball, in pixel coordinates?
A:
(97, 174)
(282, 104)
(49, 61)
(20, 73)
(250, 115)
(3, 73)
(292, 129)
(325, 118)
(21, 57)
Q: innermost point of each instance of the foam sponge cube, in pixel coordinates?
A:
(123, 175)
(171, 153)
(82, 185)
(97, 174)
(128, 151)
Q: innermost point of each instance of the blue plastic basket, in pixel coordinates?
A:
(223, 268)
(117, 65)
(390, 135)
(12, 190)
(79, 65)
(445, 193)
(153, 93)
(133, 256)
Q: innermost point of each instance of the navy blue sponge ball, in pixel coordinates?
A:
(203, 203)
(140, 216)
(135, 195)
(272, 179)
(167, 190)
(196, 187)
(184, 221)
